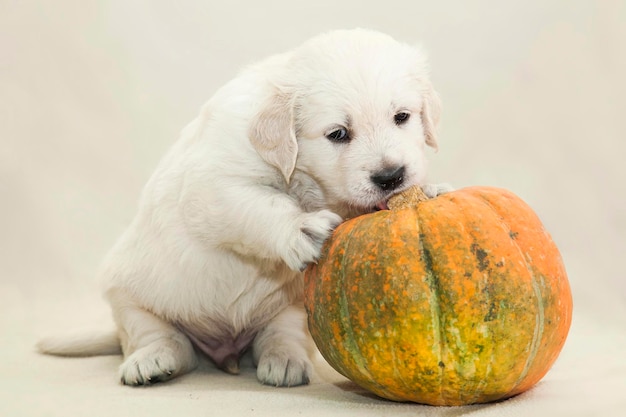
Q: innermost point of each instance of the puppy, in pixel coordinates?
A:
(244, 200)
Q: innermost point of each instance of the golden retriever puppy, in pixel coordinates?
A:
(244, 200)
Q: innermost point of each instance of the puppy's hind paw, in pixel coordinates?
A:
(145, 371)
(156, 362)
(280, 370)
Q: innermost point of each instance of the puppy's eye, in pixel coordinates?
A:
(338, 135)
(401, 118)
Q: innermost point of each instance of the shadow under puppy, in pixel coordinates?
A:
(245, 198)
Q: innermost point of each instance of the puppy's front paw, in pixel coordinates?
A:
(433, 190)
(318, 226)
(277, 368)
(313, 230)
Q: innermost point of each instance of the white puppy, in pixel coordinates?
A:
(245, 199)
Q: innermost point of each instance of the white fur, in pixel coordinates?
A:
(246, 197)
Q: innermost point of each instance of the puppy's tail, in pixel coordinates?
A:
(83, 343)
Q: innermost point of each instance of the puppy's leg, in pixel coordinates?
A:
(282, 350)
(154, 350)
(264, 223)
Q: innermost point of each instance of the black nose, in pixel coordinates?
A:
(389, 179)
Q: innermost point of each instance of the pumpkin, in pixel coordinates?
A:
(454, 300)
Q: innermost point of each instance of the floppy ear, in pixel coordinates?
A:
(273, 135)
(431, 111)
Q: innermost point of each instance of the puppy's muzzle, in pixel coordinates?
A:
(389, 179)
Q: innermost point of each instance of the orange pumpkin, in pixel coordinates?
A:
(456, 300)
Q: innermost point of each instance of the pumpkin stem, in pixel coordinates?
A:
(408, 198)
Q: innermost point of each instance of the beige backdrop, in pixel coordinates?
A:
(93, 92)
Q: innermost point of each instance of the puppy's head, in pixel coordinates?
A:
(353, 111)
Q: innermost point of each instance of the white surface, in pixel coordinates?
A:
(92, 93)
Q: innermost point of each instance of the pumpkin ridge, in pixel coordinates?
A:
(540, 317)
(435, 305)
(350, 338)
(544, 257)
(343, 229)
(399, 375)
(482, 266)
(438, 210)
